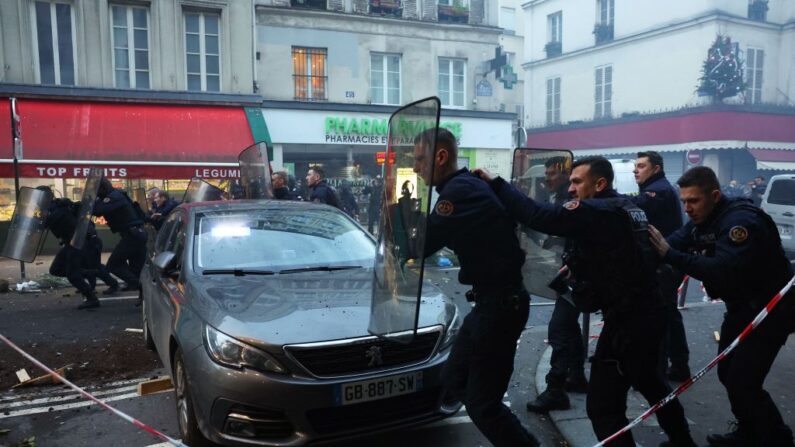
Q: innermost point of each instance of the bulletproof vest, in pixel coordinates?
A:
(618, 275)
(124, 216)
(62, 219)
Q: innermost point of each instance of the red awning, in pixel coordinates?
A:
(64, 138)
(670, 131)
(773, 159)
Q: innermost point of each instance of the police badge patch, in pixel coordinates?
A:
(651, 194)
(444, 208)
(572, 205)
(738, 234)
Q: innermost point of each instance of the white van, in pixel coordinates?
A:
(779, 203)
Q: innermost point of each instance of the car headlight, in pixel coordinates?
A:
(451, 330)
(230, 352)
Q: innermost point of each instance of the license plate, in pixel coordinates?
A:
(785, 230)
(375, 389)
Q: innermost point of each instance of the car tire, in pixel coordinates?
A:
(148, 340)
(186, 417)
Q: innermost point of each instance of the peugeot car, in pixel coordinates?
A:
(259, 311)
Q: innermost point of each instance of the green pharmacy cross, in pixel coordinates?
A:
(508, 77)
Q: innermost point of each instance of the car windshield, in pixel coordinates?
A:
(277, 240)
(782, 192)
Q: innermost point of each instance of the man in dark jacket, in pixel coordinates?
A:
(661, 203)
(280, 190)
(127, 258)
(319, 190)
(734, 249)
(374, 192)
(163, 205)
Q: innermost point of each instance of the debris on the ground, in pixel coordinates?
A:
(48, 281)
(133, 329)
(717, 336)
(28, 442)
(154, 386)
(47, 379)
(28, 286)
(23, 375)
(4, 431)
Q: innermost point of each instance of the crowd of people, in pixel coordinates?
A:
(753, 189)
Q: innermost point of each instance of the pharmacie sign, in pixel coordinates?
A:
(369, 130)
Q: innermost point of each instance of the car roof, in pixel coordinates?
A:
(234, 205)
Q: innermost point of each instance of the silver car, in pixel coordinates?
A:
(259, 310)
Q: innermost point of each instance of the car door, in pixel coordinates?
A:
(779, 203)
(162, 310)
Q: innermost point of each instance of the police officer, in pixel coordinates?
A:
(566, 371)
(127, 258)
(661, 203)
(734, 248)
(280, 189)
(319, 190)
(469, 219)
(80, 267)
(613, 269)
(163, 205)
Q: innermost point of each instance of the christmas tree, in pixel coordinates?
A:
(722, 74)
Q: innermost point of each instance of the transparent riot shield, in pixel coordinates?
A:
(86, 208)
(201, 191)
(139, 196)
(255, 172)
(400, 256)
(28, 227)
(543, 175)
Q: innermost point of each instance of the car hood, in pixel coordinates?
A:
(270, 311)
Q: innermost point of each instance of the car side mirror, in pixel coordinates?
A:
(165, 262)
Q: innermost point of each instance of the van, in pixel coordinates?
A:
(779, 203)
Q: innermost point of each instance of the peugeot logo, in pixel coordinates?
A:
(374, 354)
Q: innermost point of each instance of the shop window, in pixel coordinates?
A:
(452, 79)
(385, 79)
(310, 73)
(553, 101)
(130, 46)
(754, 64)
(53, 38)
(203, 51)
(603, 96)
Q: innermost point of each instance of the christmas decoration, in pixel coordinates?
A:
(722, 74)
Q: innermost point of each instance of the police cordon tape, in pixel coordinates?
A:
(90, 397)
(689, 382)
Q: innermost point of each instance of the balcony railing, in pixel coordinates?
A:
(386, 7)
(453, 14)
(553, 49)
(309, 4)
(603, 33)
(757, 10)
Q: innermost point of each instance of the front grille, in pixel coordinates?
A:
(357, 356)
(267, 424)
(401, 409)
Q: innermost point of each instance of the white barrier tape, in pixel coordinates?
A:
(89, 396)
(688, 383)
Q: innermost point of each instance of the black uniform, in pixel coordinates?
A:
(127, 258)
(470, 220)
(737, 254)
(660, 202)
(80, 267)
(324, 193)
(163, 211)
(283, 193)
(613, 267)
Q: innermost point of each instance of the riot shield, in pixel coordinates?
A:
(28, 228)
(400, 255)
(255, 172)
(543, 175)
(201, 191)
(139, 196)
(86, 208)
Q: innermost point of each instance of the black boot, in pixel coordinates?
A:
(577, 383)
(111, 290)
(553, 398)
(739, 437)
(91, 301)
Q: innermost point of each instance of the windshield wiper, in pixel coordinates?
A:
(236, 272)
(322, 268)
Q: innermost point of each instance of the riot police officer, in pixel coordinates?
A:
(469, 219)
(734, 248)
(127, 258)
(613, 265)
(660, 202)
(80, 267)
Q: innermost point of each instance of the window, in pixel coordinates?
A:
(310, 73)
(553, 101)
(782, 192)
(54, 41)
(203, 51)
(130, 46)
(604, 11)
(603, 98)
(555, 27)
(508, 19)
(385, 79)
(754, 64)
(452, 80)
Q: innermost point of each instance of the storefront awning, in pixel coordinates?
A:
(64, 138)
(779, 160)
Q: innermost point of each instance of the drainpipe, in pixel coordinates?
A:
(255, 87)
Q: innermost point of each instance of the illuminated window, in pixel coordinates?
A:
(310, 73)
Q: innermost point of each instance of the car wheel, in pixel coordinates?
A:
(150, 343)
(188, 427)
